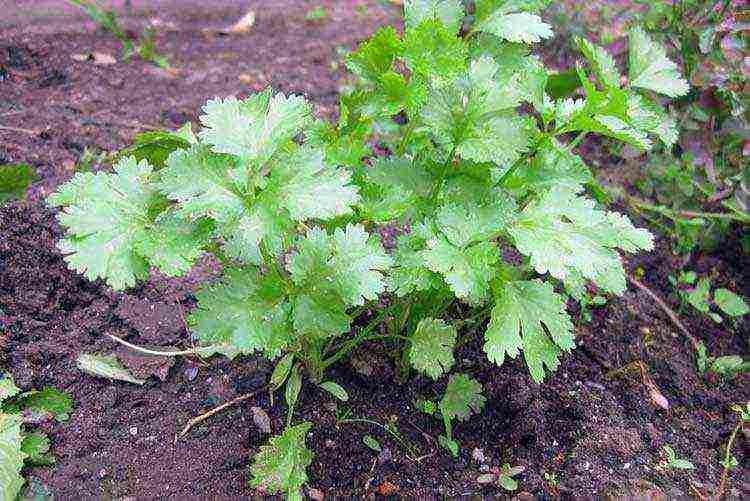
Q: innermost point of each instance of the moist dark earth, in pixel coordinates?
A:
(582, 434)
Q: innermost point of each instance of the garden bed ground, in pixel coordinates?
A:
(581, 434)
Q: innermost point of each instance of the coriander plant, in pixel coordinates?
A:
(480, 166)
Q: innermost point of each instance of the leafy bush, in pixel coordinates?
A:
(480, 167)
(701, 187)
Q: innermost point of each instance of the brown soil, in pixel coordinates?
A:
(595, 436)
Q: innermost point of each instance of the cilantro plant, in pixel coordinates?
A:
(480, 165)
(18, 445)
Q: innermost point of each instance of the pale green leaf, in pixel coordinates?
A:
(432, 345)
(11, 456)
(434, 52)
(470, 222)
(562, 233)
(515, 27)
(335, 389)
(647, 116)
(8, 388)
(359, 261)
(730, 303)
(601, 62)
(521, 313)
(246, 309)
(467, 271)
(174, 243)
(651, 69)
(410, 274)
(463, 397)
(280, 466)
(106, 216)
(449, 12)
(254, 128)
(106, 366)
(309, 189)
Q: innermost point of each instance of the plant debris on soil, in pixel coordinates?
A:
(581, 434)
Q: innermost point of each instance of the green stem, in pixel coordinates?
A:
(359, 338)
(673, 214)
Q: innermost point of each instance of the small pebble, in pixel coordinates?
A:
(191, 373)
(133, 431)
(478, 455)
(103, 473)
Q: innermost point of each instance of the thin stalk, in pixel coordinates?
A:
(576, 141)
(351, 344)
(673, 214)
(405, 139)
(192, 351)
(725, 473)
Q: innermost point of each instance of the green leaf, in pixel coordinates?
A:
(433, 51)
(448, 444)
(174, 243)
(281, 372)
(48, 401)
(36, 446)
(651, 69)
(515, 27)
(11, 456)
(410, 274)
(372, 443)
(699, 296)
(254, 128)
(311, 190)
(335, 389)
(279, 467)
(106, 216)
(246, 309)
(8, 388)
(359, 261)
(648, 116)
(375, 57)
(155, 147)
(473, 117)
(449, 12)
(467, 271)
(553, 165)
(564, 234)
(293, 387)
(602, 63)
(730, 303)
(432, 345)
(463, 397)
(107, 366)
(14, 180)
(392, 188)
(521, 313)
(729, 366)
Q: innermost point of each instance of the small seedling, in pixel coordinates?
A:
(15, 180)
(672, 462)
(145, 48)
(463, 397)
(372, 443)
(503, 477)
(699, 297)
(317, 14)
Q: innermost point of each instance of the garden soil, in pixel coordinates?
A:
(590, 431)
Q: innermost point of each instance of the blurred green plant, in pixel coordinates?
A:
(144, 47)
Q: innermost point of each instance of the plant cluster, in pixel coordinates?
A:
(701, 187)
(144, 46)
(18, 445)
(481, 177)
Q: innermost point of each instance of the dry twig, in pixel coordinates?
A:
(206, 415)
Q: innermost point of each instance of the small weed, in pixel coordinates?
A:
(672, 462)
(317, 14)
